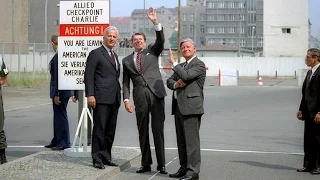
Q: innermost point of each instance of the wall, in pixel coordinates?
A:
(291, 14)
(247, 66)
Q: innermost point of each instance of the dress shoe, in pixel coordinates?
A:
(315, 171)
(304, 170)
(110, 163)
(58, 148)
(49, 146)
(144, 169)
(98, 165)
(181, 172)
(162, 169)
(189, 177)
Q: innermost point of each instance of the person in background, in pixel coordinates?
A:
(309, 112)
(60, 99)
(3, 142)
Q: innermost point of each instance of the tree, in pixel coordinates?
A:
(174, 40)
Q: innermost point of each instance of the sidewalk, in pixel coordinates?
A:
(55, 165)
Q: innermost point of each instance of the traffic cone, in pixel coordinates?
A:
(260, 81)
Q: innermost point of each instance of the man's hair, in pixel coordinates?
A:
(315, 53)
(188, 40)
(109, 29)
(54, 39)
(139, 33)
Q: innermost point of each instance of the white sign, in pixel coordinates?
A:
(72, 60)
(81, 31)
(84, 12)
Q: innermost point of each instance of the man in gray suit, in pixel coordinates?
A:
(148, 93)
(187, 107)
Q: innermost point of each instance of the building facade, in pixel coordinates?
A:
(283, 36)
(235, 22)
(14, 18)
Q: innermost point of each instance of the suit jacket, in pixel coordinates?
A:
(149, 70)
(54, 91)
(310, 102)
(190, 97)
(101, 77)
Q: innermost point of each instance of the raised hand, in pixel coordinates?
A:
(171, 57)
(152, 15)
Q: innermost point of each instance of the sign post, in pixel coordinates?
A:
(82, 24)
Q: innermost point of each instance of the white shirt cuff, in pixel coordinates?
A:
(158, 27)
(174, 64)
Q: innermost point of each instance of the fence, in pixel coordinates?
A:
(33, 59)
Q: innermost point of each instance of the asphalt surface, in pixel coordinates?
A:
(247, 131)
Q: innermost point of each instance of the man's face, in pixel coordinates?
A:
(54, 46)
(310, 61)
(138, 42)
(110, 38)
(188, 50)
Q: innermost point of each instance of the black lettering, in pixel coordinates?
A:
(79, 81)
(80, 43)
(74, 55)
(78, 64)
(68, 42)
(64, 64)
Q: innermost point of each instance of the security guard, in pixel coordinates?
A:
(3, 143)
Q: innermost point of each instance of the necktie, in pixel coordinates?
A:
(185, 64)
(113, 59)
(138, 62)
(308, 77)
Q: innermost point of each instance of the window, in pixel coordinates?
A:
(221, 30)
(210, 4)
(211, 30)
(192, 27)
(191, 17)
(243, 42)
(184, 17)
(184, 28)
(202, 29)
(221, 5)
(232, 30)
(202, 17)
(260, 42)
(56, 23)
(286, 30)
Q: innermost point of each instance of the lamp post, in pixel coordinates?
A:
(179, 28)
(46, 23)
(252, 34)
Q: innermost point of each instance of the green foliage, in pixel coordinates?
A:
(27, 79)
(174, 40)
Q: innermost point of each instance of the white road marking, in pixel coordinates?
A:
(165, 166)
(26, 107)
(205, 150)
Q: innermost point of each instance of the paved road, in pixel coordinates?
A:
(247, 132)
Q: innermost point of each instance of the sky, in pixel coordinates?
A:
(125, 7)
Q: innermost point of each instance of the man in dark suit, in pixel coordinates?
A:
(309, 112)
(187, 107)
(60, 98)
(148, 93)
(102, 89)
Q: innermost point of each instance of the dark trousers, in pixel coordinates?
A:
(104, 129)
(311, 142)
(3, 141)
(61, 134)
(188, 140)
(150, 103)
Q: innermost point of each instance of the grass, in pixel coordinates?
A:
(27, 79)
